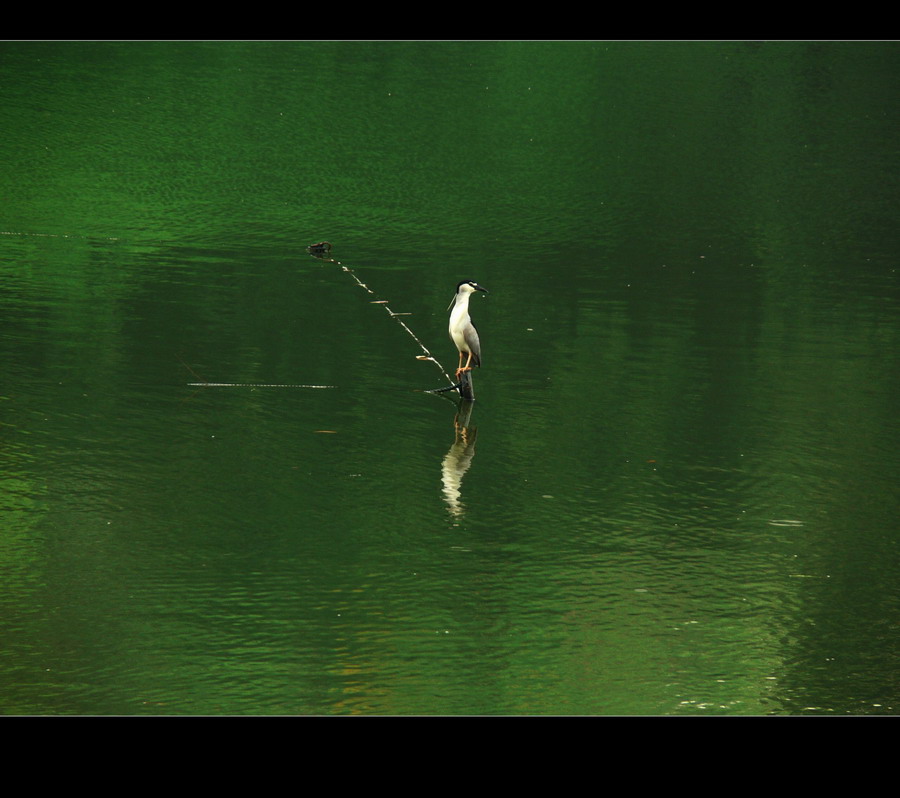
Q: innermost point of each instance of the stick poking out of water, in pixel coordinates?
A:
(253, 385)
(322, 251)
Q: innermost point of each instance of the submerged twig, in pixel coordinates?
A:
(445, 390)
(322, 251)
(204, 384)
(254, 385)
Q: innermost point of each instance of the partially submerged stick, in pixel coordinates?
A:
(253, 385)
(322, 250)
(204, 384)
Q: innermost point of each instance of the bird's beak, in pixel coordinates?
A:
(480, 288)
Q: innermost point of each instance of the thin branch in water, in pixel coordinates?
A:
(253, 385)
(322, 251)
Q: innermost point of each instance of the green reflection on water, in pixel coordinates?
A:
(682, 495)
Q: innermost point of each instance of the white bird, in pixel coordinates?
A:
(462, 331)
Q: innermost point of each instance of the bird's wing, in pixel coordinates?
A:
(473, 343)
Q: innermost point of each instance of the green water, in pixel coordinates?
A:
(676, 491)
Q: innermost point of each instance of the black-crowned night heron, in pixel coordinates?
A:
(462, 331)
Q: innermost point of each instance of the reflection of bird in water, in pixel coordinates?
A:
(462, 331)
(457, 461)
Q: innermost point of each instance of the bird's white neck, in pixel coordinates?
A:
(462, 305)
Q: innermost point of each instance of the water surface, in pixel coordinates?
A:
(676, 491)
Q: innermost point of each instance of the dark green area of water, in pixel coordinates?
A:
(676, 493)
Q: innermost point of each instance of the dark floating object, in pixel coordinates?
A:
(322, 248)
